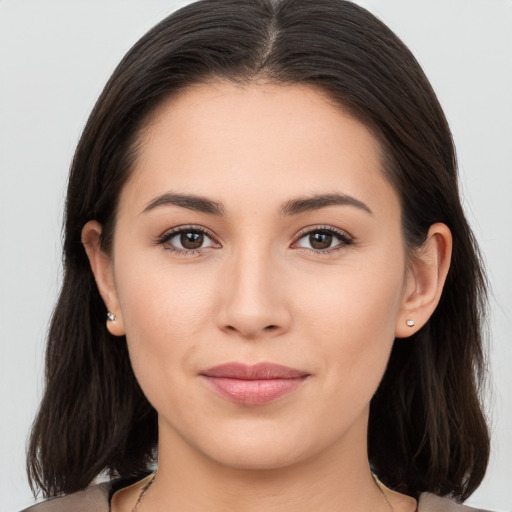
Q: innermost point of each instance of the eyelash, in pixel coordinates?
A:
(345, 239)
(343, 236)
(169, 235)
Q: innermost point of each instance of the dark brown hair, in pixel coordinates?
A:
(427, 431)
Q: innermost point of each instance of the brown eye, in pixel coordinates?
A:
(187, 241)
(320, 240)
(323, 240)
(191, 239)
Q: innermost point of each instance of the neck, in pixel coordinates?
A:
(189, 481)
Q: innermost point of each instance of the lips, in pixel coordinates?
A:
(253, 385)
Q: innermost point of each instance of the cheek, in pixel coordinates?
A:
(351, 314)
(355, 298)
(164, 310)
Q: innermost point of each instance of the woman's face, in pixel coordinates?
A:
(257, 226)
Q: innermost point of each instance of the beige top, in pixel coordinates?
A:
(96, 499)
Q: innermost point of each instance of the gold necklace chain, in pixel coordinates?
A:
(147, 485)
(143, 492)
(379, 486)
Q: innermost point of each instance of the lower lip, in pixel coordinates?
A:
(252, 392)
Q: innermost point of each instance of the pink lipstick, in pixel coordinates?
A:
(253, 385)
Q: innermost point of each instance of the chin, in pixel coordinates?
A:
(259, 459)
(259, 452)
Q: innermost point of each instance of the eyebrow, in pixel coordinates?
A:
(316, 202)
(289, 208)
(191, 202)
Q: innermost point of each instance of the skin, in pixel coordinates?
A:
(260, 289)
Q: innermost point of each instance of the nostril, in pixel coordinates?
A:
(270, 327)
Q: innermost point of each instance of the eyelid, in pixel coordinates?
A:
(171, 233)
(345, 239)
(322, 227)
(344, 236)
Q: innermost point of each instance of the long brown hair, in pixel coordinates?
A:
(427, 431)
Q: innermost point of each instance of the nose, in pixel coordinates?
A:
(252, 297)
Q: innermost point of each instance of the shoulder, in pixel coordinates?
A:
(92, 499)
(432, 503)
(95, 499)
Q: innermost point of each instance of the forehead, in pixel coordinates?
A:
(222, 112)
(260, 138)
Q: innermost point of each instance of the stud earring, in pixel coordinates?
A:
(411, 323)
(111, 317)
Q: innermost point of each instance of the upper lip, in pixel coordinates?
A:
(259, 371)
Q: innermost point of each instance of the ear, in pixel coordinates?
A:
(425, 280)
(101, 266)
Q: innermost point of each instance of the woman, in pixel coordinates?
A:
(264, 207)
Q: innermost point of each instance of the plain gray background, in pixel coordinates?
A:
(55, 57)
